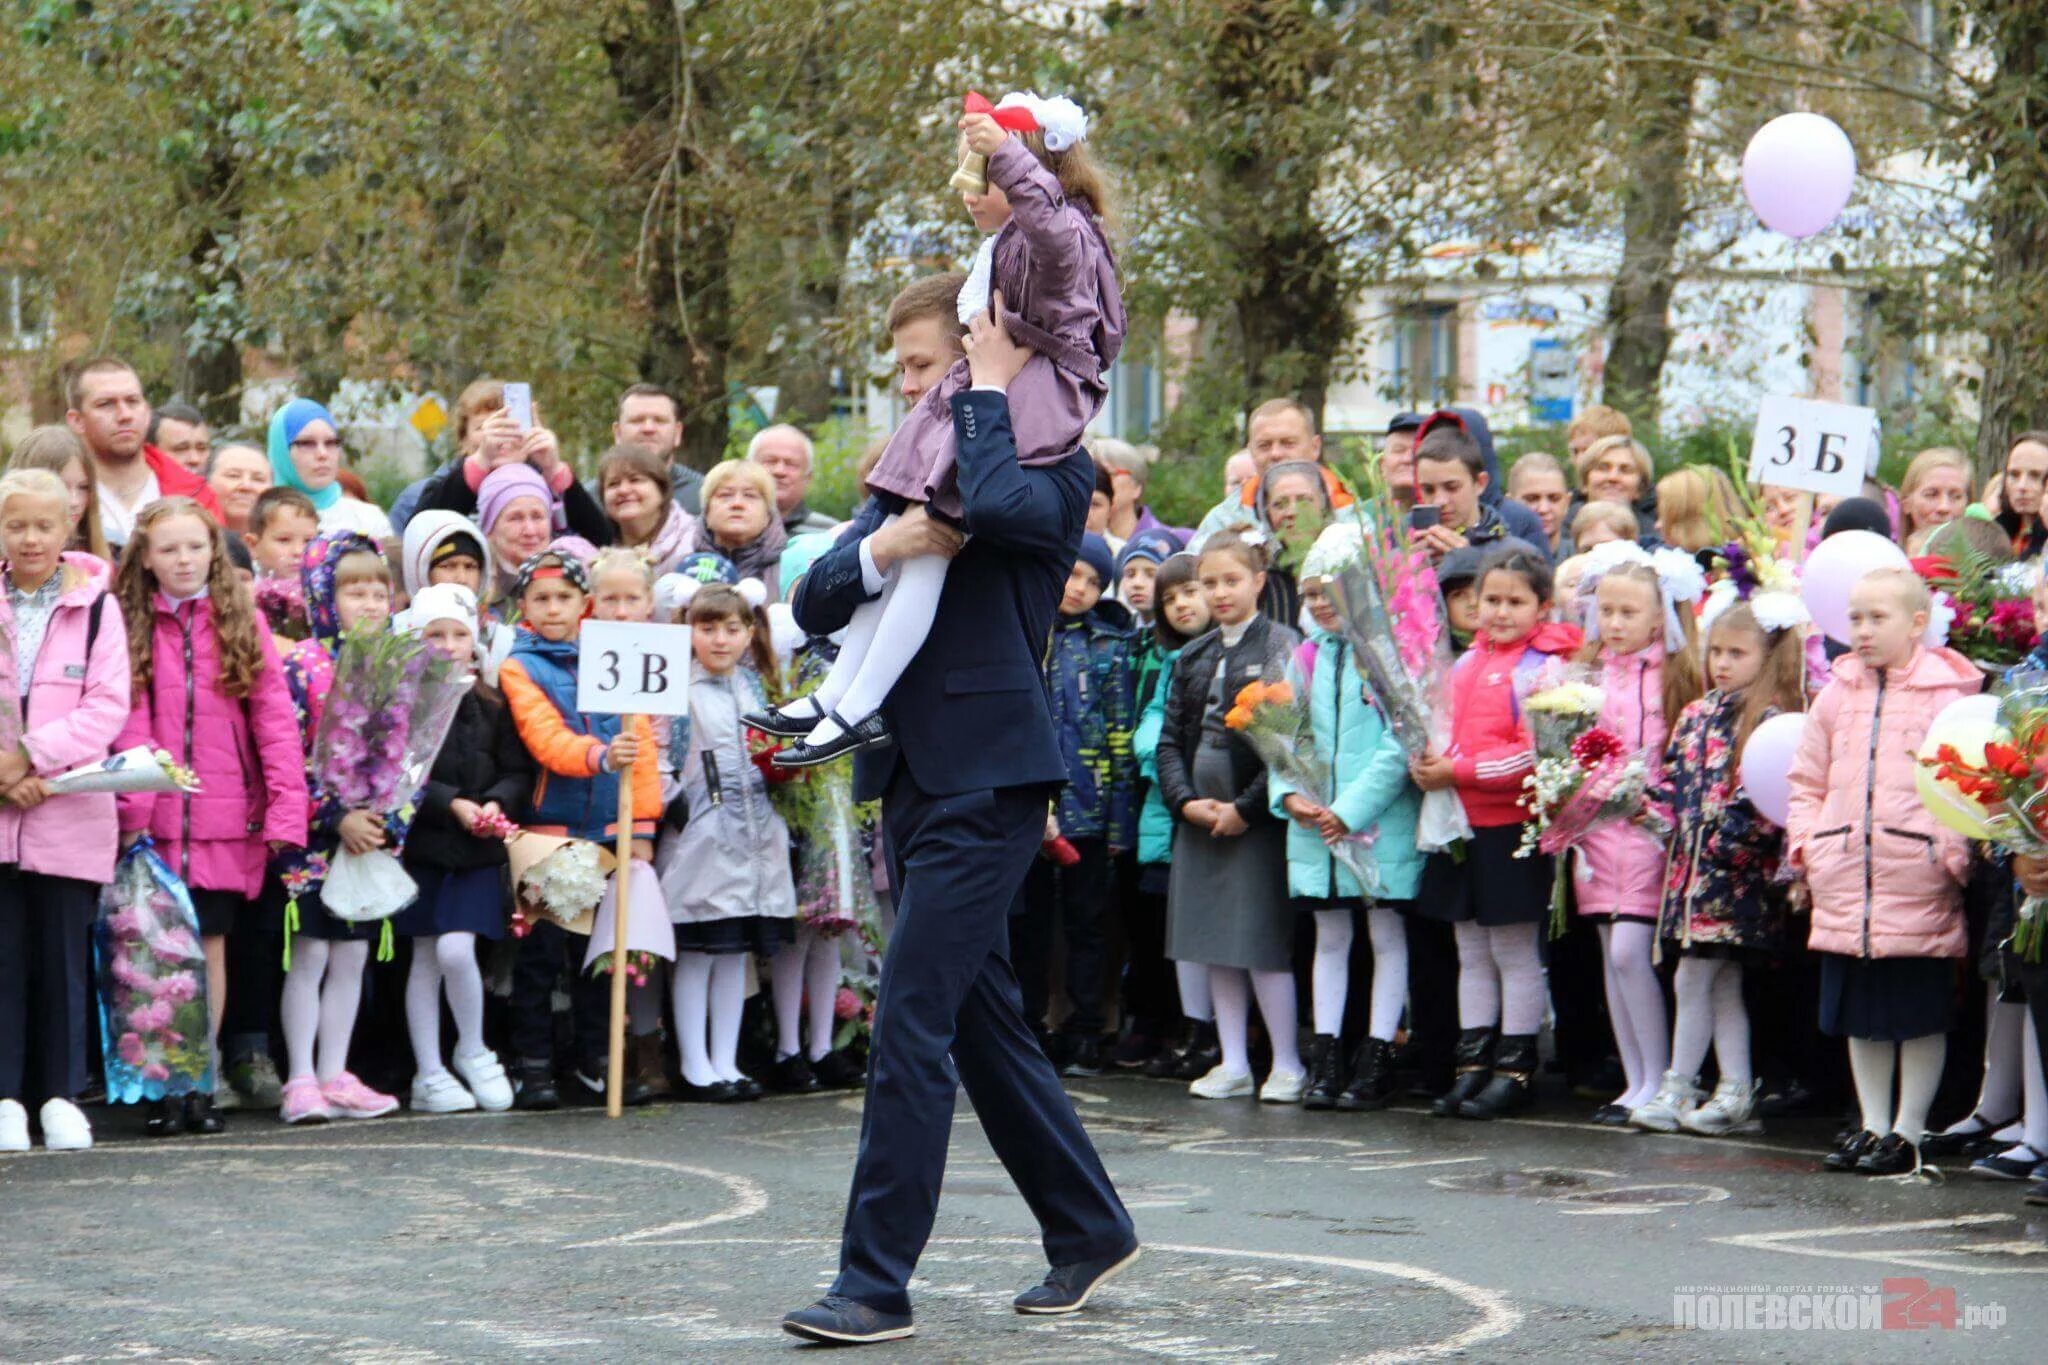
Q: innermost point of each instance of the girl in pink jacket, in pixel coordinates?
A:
(1886, 878)
(208, 689)
(63, 696)
(1646, 645)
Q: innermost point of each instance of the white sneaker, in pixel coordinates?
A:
(440, 1093)
(13, 1126)
(485, 1076)
(1667, 1109)
(1283, 1087)
(1732, 1110)
(1221, 1085)
(65, 1128)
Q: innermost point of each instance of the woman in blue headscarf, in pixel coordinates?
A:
(306, 454)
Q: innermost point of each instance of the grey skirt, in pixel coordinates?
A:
(1226, 899)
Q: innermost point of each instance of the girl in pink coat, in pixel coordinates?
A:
(63, 696)
(208, 689)
(1886, 878)
(1648, 654)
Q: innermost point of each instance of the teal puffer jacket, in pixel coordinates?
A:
(1155, 822)
(1369, 774)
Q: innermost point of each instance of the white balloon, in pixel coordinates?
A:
(1837, 565)
(1797, 173)
(1767, 763)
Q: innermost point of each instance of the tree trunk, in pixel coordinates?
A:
(1654, 213)
(686, 250)
(208, 372)
(2003, 129)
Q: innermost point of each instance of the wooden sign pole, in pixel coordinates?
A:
(615, 1088)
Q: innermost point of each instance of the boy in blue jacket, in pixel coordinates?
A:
(1090, 679)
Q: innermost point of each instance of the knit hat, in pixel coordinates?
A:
(435, 534)
(504, 485)
(1095, 554)
(552, 563)
(1459, 567)
(1153, 544)
(1857, 514)
(285, 425)
(695, 570)
(440, 602)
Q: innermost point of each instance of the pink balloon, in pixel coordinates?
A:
(1797, 173)
(1835, 566)
(1766, 765)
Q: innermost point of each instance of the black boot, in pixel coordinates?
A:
(1514, 1063)
(1323, 1079)
(1204, 1056)
(1372, 1081)
(533, 1085)
(166, 1118)
(1474, 1060)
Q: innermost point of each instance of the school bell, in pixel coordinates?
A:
(972, 177)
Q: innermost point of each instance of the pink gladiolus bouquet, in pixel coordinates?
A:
(152, 983)
(834, 893)
(392, 703)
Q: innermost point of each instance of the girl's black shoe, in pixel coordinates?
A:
(1166, 1063)
(202, 1115)
(1611, 1116)
(1372, 1077)
(1507, 1090)
(166, 1118)
(718, 1092)
(1892, 1156)
(838, 1071)
(1323, 1078)
(793, 1076)
(1202, 1054)
(1852, 1151)
(1474, 1060)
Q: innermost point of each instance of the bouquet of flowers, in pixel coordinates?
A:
(553, 878)
(1584, 774)
(283, 604)
(1990, 607)
(2008, 788)
(1393, 615)
(141, 769)
(638, 964)
(392, 703)
(152, 981)
(854, 1008)
(1275, 722)
(835, 894)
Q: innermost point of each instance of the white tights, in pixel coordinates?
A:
(1919, 1068)
(1196, 1002)
(710, 990)
(807, 969)
(1999, 1096)
(1331, 976)
(1275, 992)
(322, 992)
(1710, 1011)
(881, 640)
(1500, 977)
(1635, 1005)
(440, 960)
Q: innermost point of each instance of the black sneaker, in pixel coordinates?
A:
(166, 1118)
(839, 1321)
(1854, 1148)
(1892, 1156)
(838, 1071)
(1084, 1058)
(1067, 1288)
(595, 1082)
(793, 1076)
(533, 1085)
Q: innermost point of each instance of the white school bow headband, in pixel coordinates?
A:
(1679, 580)
(1059, 120)
(674, 591)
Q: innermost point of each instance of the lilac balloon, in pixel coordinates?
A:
(1797, 173)
(1835, 566)
(1766, 765)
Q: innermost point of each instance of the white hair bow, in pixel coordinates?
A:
(1060, 119)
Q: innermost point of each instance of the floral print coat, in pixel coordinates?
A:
(1719, 880)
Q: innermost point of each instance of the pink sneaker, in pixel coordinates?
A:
(349, 1098)
(303, 1102)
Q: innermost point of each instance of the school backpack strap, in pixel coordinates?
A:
(92, 625)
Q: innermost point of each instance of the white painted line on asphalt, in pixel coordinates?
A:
(1955, 1259)
(1497, 1314)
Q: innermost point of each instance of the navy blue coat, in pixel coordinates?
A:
(970, 713)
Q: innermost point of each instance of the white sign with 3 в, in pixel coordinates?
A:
(1817, 447)
(629, 669)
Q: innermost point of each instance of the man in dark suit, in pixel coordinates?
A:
(964, 795)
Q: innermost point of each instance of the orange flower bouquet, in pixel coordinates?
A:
(1274, 721)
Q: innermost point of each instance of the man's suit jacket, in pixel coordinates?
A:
(970, 713)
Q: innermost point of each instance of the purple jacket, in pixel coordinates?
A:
(73, 711)
(244, 751)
